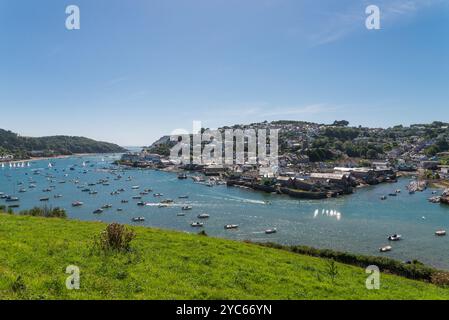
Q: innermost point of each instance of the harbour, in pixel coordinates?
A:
(358, 223)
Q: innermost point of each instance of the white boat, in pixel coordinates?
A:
(385, 249)
(440, 233)
(77, 204)
(271, 231)
(185, 208)
(138, 219)
(231, 226)
(395, 237)
(203, 216)
(3, 165)
(50, 165)
(197, 224)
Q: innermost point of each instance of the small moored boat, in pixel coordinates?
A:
(440, 233)
(98, 211)
(231, 226)
(395, 237)
(185, 208)
(203, 216)
(271, 231)
(385, 249)
(197, 224)
(138, 219)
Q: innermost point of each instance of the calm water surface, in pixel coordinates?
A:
(362, 225)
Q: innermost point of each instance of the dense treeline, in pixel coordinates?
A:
(22, 147)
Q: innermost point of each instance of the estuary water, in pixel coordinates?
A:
(358, 223)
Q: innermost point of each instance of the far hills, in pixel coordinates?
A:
(25, 147)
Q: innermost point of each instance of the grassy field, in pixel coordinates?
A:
(34, 254)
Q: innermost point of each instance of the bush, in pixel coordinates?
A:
(45, 212)
(116, 237)
(412, 270)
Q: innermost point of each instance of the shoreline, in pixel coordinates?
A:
(32, 159)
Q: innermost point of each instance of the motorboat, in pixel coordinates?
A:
(440, 233)
(98, 211)
(383, 198)
(203, 216)
(385, 249)
(395, 237)
(231, 226)
(44, 199)
(182, 176)
(138, 219)
(270, 231)
(77, 204)
(197, 224)
(185, 208)
(106, 206)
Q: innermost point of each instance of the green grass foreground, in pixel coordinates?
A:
(34, 254)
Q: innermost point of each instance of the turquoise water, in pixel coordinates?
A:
(362, 225)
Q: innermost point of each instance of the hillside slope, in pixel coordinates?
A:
(34, 253)
(21, 147)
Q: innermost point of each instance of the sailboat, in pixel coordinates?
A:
(28, 164)
(84, 163)
(10, 165)
(3, 165)
(50, 165)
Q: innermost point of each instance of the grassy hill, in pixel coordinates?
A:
(34, 253)
(21, 147)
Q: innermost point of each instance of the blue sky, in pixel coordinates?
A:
(142, 68)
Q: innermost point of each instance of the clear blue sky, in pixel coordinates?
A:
(142, 68)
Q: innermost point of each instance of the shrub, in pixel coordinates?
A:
(46, 212)
(412, 270)
(116, 237)
(331, 269)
